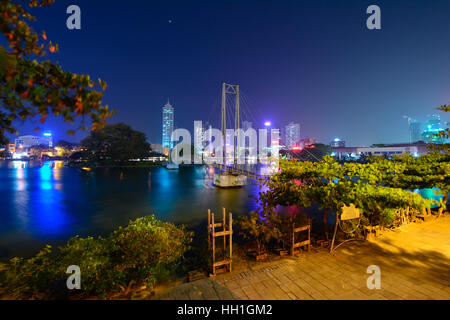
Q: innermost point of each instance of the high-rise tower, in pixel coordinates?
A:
(292, 133)
(167, 127)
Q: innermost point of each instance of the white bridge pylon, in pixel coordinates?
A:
(233, 176)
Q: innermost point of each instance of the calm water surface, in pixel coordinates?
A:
(46, 202)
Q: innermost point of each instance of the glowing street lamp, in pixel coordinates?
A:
(267, 124)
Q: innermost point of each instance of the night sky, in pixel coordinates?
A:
(311, 62)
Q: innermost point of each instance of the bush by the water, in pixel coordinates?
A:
(144, 252)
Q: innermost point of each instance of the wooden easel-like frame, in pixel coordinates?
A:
(227, 231)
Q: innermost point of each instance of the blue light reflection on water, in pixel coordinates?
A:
(37, 200)
(21, 197)
(45, 177)
(50, 217)
(47, 203)
(32, 210)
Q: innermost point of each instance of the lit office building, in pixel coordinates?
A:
(415, 131)
(433, 127)
(207, 133)
(292, 134)
(167, 127)
(198, 137)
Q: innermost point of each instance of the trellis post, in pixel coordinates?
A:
(227, 231)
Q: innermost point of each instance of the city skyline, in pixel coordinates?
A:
(417, 130)
(328, 72)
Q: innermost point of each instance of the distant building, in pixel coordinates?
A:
(26, 142)
(415, 130)
(156, 147)
(247, 125)
(11, 148)
(307, 142)
(337, 143)
(415, 149)
(292, 135)
(198, 137)
(357, 152)
(167, 127)
(206, 139)
(387, 151)
(207, 135)
(432, 127)
(422, 147)
(229, 146)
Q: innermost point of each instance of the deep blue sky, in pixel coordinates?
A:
(312, 62)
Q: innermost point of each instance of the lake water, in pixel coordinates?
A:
(46, 202)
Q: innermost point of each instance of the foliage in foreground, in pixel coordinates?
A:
(381, 189)
(255, 227)
(32, 87)
(144, 252)
(372, 187)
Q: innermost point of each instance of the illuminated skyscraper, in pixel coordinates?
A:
(167, 127)
(433, 126)
(292, 134)
(415, 130)
(246, 125)
(198, 137)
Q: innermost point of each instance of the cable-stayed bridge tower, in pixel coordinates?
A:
(228, 177)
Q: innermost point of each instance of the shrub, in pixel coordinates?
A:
(144, 252)
(93, 256)
(256, 227)
(388, 216)
(161, 247)
(28, 277)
